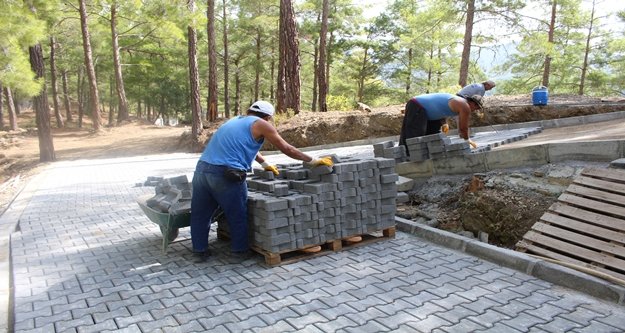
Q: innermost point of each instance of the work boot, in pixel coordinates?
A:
(200, 257)
(242, 255)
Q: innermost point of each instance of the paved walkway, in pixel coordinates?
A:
(86, 259)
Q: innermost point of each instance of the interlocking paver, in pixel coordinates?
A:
(103, 270)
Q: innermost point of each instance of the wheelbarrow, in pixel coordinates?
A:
(168, 223)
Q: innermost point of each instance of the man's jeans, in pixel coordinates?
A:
(211, 190)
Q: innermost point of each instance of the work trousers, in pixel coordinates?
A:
(416, 123)
(210, 191)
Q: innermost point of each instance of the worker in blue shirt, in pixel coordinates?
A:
(219, 178)
(426, 114)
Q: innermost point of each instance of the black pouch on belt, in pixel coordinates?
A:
(235, 175)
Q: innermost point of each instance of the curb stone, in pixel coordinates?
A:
(542, 269)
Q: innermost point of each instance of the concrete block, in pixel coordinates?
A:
(470, 163)
(320, 170)
(585, 151)
(502, 159)
(385, 162)
(402, 197)
(296, 174)
(331, 178)
(392, 178)
(618, 163)
(273, 204)
(315, 188)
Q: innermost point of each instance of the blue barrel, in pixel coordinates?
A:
(540, 95)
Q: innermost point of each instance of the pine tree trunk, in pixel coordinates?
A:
(11, 109)
(68, 112)
(81, 97)
(586, 51)
(552, 25)
(409, 74)
(466, 48)
(321, 68)
(1, 110)
(212, 63)
(93, 84)
(272, 91)
(111, 106)
(40, 104)
(55, 92)
(315, 92)
(16, 105)
(237, 87)
(257, 66)
(194, 80)
(226, 59)
(122, 102)
(292, 68)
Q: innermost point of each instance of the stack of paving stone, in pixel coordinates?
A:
(172, 195)
(387, 149)
(306, 206)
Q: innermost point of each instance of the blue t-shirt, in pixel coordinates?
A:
(436, 106)
(233, 145)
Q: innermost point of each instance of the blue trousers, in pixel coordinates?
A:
(210, 191)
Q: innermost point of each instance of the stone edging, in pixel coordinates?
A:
(541, 269)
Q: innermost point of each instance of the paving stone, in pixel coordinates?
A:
(428, 324)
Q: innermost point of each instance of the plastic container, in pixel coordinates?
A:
(540, 95)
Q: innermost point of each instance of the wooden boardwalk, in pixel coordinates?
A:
(586, 226)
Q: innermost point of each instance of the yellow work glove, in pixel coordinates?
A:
(269, 167)
(445, 128)
(472, 143)
(326, 160)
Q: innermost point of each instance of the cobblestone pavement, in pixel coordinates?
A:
(86, 259)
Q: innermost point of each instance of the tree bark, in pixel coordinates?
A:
(68, 112)
(363, 75)
(122, 102)
(292, 69)
(111, 106)
(257, 65)
(16, 104)
(315, 92)
(552, 25)
(321, 68)
(93, 84)
(409, 75)
(226, 59)
(11, 109)
(466, 48)
(40, 104)
(212, 110)
(81, 97)
(1, 109)
(237, 87)
(194, 81)
(55, 92)
(586, 51)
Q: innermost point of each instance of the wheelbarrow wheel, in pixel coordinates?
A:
(172, 233)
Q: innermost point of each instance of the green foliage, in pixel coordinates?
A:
(340, 103)
(19, 29)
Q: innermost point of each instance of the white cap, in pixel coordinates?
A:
(262, 107)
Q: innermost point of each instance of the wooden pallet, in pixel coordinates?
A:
(291, 256)
(586, 226)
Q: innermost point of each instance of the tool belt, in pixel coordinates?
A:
(235, 175)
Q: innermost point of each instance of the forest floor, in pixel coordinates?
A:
(471, 204)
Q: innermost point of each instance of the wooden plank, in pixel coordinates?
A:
(537, 250)
(588, 217)
(593, 205)
(611, 174)
(600, 184)
(616, 199)
(586, 228)
(533, 248)
(577, 251)
(586, 241)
